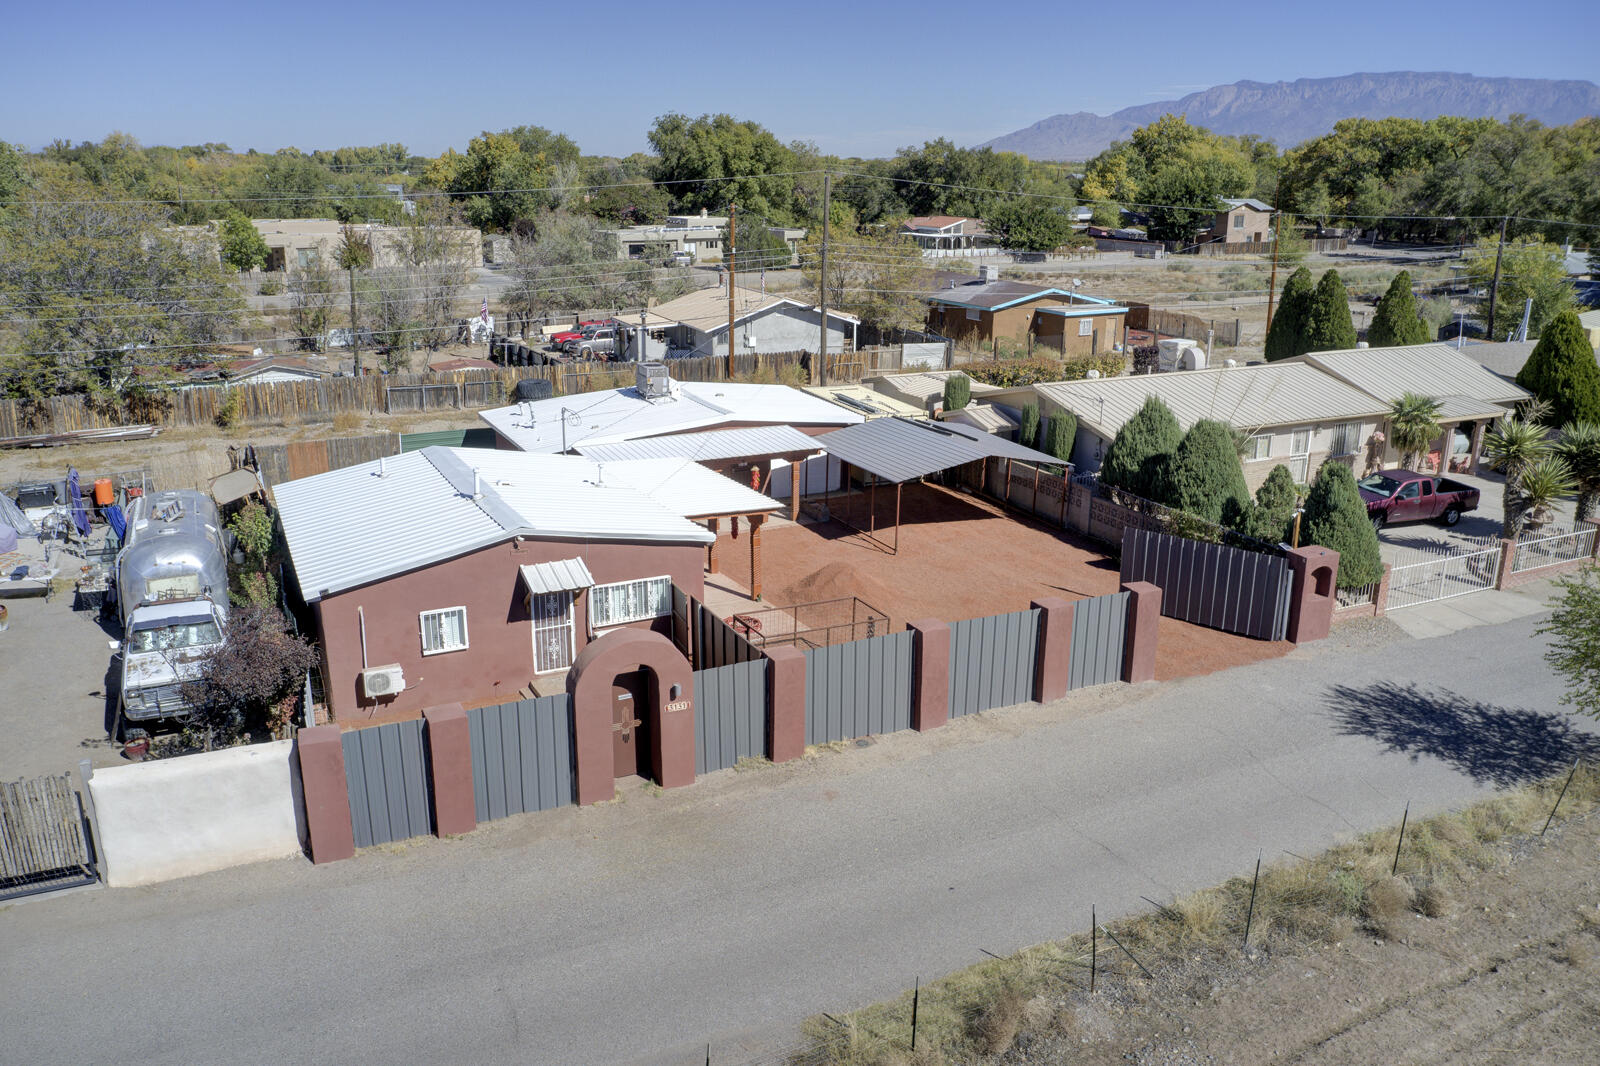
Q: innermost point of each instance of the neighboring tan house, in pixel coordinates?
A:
(924, 390)
(700, 236)
(981, 310)
(1590, 321)
(477, 575)
(1242, 221)
(256, 370)
(1290, 413)
(301, 243)
(943, 232)
(1470, 396)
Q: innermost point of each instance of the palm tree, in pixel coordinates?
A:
(1513, 447)
(1413, 426)
(1580, 447)
(1542, 484)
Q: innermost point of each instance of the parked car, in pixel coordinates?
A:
(1406, 496)
(559, 340)
(594, 344)
(679, 259)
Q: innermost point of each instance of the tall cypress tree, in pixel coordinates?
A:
(1205, 473)
(1336, 518)
(1286, 337)
(1028, 428)
(1328, 326)
(1396, 321)
(1059, 437)
(1563, 372)
(1143, 445)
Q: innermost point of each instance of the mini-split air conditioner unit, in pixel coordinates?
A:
(383, 680)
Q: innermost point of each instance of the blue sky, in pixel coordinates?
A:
(855, 78)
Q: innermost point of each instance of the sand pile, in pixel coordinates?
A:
(834, 581)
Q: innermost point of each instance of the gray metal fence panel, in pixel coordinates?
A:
(730, 710)
(1099, 628)
(858, 689)
(386, 773)
(1214, 585)
(522, 756)
(992, 661)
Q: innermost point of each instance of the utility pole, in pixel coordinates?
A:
(1494, 288)
(822, 285)
(1272, 286)
(355, 334)
(733, 218)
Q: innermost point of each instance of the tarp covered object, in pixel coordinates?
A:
(117, 521)
(11, 515)
(80, 517)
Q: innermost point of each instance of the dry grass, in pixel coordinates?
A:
(346, 422)
(977, 1013)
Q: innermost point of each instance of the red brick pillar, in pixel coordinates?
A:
(930, 702)
(1139, 643)
(756, 521)
(786, 704)
(711, 549)
(455, 809)
(1055, 648)
(1380, 596)
(1508, 555)
(326, 793)
(1594, 545)
(1314, 570)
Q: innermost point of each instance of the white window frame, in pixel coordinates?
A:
(1351, 431)
(422, 628)
(973, 315)
(595, 599)
(1085, 327)
(1238, 221)
(1259, 448)
(1300, 455)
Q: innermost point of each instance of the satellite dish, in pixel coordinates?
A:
(1077, 283)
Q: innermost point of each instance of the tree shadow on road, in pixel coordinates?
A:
(1499, 745)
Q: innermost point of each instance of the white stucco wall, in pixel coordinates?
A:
(821, 474)
(189, 815)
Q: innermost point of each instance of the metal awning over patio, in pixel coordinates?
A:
(563, 575)
(898, 450)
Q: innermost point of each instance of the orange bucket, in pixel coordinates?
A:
(103, 493)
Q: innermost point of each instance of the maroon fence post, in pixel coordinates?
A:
(320, 751)
(1055, 648)
(1139, 647)
(1508, 556)
(455, 809)
(786, 704)
(1594, 545)
(930, 703)
(1380, 595)
(1314, 570)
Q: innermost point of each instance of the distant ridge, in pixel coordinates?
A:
(1289, 112)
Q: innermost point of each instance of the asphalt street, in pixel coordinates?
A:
(639, 930)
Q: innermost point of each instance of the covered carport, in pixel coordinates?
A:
(893, 451)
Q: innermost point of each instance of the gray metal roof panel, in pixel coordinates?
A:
(904, 449)
(1428, 369)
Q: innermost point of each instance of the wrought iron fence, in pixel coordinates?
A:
(811, 625)
(1443, 578)
(1561, 547)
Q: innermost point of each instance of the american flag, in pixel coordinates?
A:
(484, 312)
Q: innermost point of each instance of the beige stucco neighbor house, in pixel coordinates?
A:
(1241, 221)
(300, 243)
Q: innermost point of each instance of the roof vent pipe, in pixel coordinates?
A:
(382, 471)
(477, 484)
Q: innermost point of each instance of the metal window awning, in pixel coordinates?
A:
(563, 575)
(905, 449)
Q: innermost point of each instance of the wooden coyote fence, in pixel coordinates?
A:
(42, 843)
(1225, 331)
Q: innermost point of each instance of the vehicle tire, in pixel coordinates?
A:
(1451, 516)
(1379, 520)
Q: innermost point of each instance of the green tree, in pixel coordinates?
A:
(1268, 519)
(1336, 517)
(1062, 430)
(558, 268)
(940, 178)
(251, 681)
(1028, 427)
(1287, 337)
(957, 392)
(1028, 225)
(1514, 447)
(757, 247)
(1396, 321)
(1562, 371)
(747, 165)
(1205, 474)
(1541, 486)
(12, 177)
(504, 177)
(1528, 270)
(1580, 447)
(1574, 652)
(1413, 426)
(243, 247)
(877, 274)
(313, 294)
(1328, 325)
(1142, 448)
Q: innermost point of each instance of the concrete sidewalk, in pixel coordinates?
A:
(1491, 607)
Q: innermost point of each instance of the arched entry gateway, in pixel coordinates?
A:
(633, 712)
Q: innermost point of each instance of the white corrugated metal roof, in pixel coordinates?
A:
(1427, 369)
(985, 416)
(701, 447)
(865, 401)
(1245, 397)
(920, 388)
(562, 575)
(1458, 408)
(352, 526)
(623, 414)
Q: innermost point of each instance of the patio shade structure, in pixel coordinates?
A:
(897, 450)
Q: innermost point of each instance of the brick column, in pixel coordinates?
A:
(711, 549)
(1055, 648)
(1380, 596)
(786, 704)
(1139, 643)
(1508, 555)
(930, 700)
(1314, 570)
(450, 762)
(1594, 545)
(756, 521)
(320, 751)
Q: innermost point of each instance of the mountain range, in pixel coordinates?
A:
(1289, 112)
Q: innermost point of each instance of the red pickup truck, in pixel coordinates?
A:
(1406, 496)
(558, 340)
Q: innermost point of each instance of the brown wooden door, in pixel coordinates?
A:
(630, 749)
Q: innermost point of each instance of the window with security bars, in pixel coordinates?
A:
(1258, 447)
(630, 601)
(1346, 438)
(444, 630)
